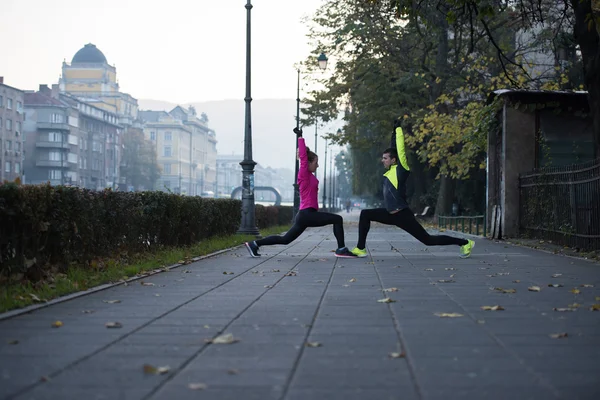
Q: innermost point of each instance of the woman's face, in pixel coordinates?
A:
(313, 165)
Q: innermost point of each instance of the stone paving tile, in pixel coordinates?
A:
(491, 355)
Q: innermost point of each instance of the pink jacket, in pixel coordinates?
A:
(307, 182)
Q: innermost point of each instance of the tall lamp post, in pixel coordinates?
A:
(322, 60)
(325, 178)
(248, 223)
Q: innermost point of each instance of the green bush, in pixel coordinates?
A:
(54, 225)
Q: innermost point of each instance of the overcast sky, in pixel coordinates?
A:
(178, 50)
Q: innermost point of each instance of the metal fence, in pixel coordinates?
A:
(468, 224)
(562, 204)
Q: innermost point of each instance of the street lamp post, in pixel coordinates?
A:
(248, 223)
(331, 180)
(325, 178)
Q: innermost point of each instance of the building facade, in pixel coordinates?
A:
(11, 132)
(70, 142)
(185, 148)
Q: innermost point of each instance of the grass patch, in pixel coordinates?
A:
(20, 294)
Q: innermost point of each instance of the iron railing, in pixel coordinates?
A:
(453, 223)
(562, 204)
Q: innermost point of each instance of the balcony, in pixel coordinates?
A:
(52, 163)
(54, 126)
(52, 145)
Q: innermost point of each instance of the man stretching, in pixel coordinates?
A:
(396, 211)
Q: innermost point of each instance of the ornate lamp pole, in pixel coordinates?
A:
(325, 178)
(248, 223)
(296, 191)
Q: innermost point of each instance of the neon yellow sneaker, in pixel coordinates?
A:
(465, 250)
(358, 252)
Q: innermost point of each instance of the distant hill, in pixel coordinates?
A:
(273, 142)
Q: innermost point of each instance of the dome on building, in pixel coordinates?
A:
(89, 54)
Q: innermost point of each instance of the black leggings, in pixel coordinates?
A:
(405, 220)
(307, 218)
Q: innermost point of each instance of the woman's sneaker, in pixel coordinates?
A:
(344, 253)
(465, 250)
(359, 253)
(252, 248)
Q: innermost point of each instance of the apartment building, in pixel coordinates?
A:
(11, 132)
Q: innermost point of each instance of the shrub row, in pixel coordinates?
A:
(54, 225)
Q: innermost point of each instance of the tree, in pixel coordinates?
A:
(139, 164)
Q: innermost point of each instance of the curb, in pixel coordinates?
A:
(62, 299)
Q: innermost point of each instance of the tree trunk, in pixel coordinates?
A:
(587, 35)
(445, 196)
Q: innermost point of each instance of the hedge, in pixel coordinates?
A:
(44, 225)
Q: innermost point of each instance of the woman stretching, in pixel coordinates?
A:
(308, 216)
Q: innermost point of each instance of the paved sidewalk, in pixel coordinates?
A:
(301, 293)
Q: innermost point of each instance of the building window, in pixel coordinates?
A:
(168, 137)
(153, 136)
(8, 124)
(17, 168)
(9, 104)
(167, 151)
(8, 145)
(167, 168)
(19, 106)
(54, 137)
(1, 101)
(7, 166)
(56, 118)
(54, 174)
(54, 156)
(18, 127)
(17, 146)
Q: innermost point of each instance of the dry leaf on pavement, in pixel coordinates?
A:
(197, 386)
(113, 325)
(534, 288)
(559, 335)
(147, 283)
(291, 273)
(13, 342)
(575, 291)
(446, 281)
(492, 308)
(595, 307)
(574, 305)
(392, 289)
(57, 324)
(152, 370)
(313, 344)
(386, 300)
(556, 275)
(450, 269)
(448, 315)
(352, 280)
(587, 285)
(111, 301)
(397, 355)
(516, 281)
(428, 269)
(223, 339)
(567, 309)
(36, 299)
(555, 285)
(501, 290)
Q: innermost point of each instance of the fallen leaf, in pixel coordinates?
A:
(113, 325)
(346, 285)
(452, 276)
(595, 307)
(197, 386)
(446, 281)
(501, 290)
(57, 324)
(587, 285)
(313, 344)
(268, 287)
(88, 311)
(147, 283)
(450, 269)
(534, 288)
(397, 355)
(503, 273)
(233, 371)
(492, 308)
(559, 335)
(448, 315)
(186, 271)
(555, 285)
(481, 321)
(206, 326)
(227, 273)
(428, 269)
(111, 301)
(564, 309)
(44, 379)
(13, 342)
(223, 339)
(574, 305)
(575, 291)
(392, 289)
(157, 295)
(36, 299)
(352, 280)
(291, 273)
(386, 300)
(275, 270)
(556, 275)
(152, 370)
(516, 281)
